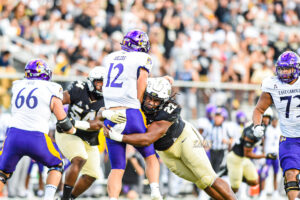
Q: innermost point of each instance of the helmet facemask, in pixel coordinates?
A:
(95, 75)
(158, 92)
(157, 103)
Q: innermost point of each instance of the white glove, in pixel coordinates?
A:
(114, 135)
(258, 131)
(114, 116)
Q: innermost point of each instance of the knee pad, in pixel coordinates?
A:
(292, 185)
(205, 181)
(59, 167)
(4, 177)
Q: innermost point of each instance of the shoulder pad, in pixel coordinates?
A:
(145, 61)
(269, 84)
(56, 89)
(170, 112)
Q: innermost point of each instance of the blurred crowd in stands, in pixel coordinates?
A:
(201, 40)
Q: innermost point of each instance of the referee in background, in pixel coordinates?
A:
(220, 139)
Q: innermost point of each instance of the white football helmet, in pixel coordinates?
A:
(159, 89)
(97, 73)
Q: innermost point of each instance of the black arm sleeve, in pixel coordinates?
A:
(64, 125)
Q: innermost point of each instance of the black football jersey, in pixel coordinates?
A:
(83, 108)
(170, 112)
(238, 148)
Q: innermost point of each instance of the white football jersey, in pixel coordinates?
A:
(30, 104)
(272, 139)
(120, 81)
(286, 98)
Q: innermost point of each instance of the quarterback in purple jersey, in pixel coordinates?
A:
(33, 101)
(283, 90)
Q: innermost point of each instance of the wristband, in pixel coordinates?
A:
(83, 125)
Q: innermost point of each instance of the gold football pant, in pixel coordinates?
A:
(72, 146)
(187, 158)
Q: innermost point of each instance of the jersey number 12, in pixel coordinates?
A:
(120, 69)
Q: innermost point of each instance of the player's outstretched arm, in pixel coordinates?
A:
(58, 110)
(154, 132)
(142, 84)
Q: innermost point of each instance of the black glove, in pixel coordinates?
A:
(272, 156)
(59, 129)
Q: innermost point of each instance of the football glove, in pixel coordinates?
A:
(258, 131)
(114, 116)
(114, 135)
(272, 156)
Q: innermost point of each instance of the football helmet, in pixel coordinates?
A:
(158, 89)
(96, 74)
(38, 69)
(240, 117)
(210, 111)
(288, 60)
(136, 40)
(221, 111)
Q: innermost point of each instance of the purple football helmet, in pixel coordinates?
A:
(221, 111)
(240, 117)
(288, 60)
(38, 69)
(210, 111)
(136, 40)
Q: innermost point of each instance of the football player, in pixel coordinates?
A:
(177, 142)
(124, 86)
(239, 164)
(33, 100)
(283, 91)
(85, 100)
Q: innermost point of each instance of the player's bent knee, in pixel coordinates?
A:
(252, 182)
(4, 176)
(78, 161)
(205, 181)
(59, 167)
(235, 190)
(289, 181)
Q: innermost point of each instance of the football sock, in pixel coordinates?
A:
(50, 192)
(154, 189)
(67, 192)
